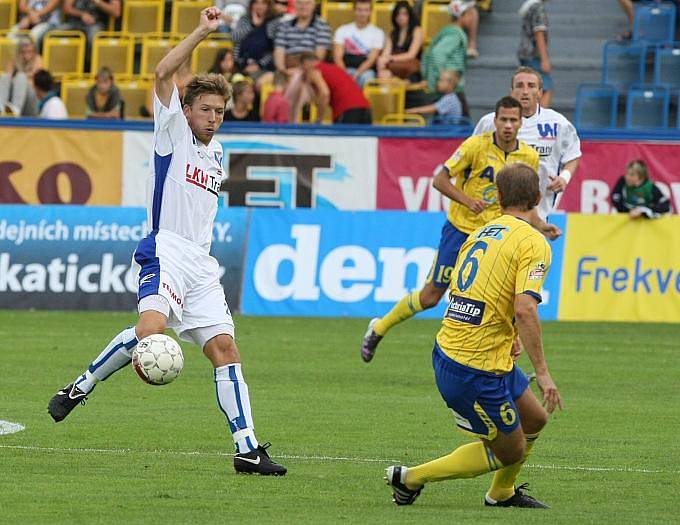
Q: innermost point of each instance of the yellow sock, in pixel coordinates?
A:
(503, 484)
(407, 307)
(467, 461)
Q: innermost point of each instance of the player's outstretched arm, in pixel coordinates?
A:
(529, 326)
(166, 68)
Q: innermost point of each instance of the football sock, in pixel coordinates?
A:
(503, 485)
(115, 356)
(467, 461)
(233, 400)
(407, 307)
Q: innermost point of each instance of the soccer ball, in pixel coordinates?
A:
(158, 359)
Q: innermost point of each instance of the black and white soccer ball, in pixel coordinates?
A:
(158, 359)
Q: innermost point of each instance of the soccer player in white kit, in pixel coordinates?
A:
(179, 283)
(549, 133)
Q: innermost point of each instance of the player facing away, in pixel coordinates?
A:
(549, 133)
(468, 178)
(495, 291)
(179, 283)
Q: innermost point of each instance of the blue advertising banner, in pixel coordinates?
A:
(77, 258)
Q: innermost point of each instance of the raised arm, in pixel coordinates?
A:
(166, 68)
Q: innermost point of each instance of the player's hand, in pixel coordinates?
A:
(210, 19)
(87, 19)
(477, 206)
(516, 349)
(557, 184)
(551, 231)
(551, 396)
(635, 213)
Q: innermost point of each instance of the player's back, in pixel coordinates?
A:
(504, 258)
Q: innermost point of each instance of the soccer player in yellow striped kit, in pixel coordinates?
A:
(494, 296)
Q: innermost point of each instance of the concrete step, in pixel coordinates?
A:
(599, 8)
(574, 46)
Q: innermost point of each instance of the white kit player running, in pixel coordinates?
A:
(549, 133)
(179, 283)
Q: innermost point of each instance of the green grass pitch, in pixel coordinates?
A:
(142, 454)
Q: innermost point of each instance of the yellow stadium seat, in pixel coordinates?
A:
(74, 90)
(402, 119)
(186, 14)
(154, 48)
(265, 91)
(141, 17)
(435, 17)
(64, 52)
(136, 93)
(203, 56)
(115, 51)
(8, 14)
(8, 51)
(385, 97)
(382, 16)
(337, 13)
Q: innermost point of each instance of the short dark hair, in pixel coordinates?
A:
(518, 187)
(42, 79)
(211, 84)
(508, 102)
(528, 70)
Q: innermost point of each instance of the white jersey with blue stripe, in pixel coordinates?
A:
(182, 195)
(553, 137)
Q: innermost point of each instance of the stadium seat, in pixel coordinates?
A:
(8, 14)
(596, 106)
(203, 56)
(115, 51)
(385, 97)
(402, 119)
(654, 22)
(8, 50)
(64, 52)
(154, 48)
(382, 16)
(186, 14)
(136, 94)
(337, 13)
(623, 64)
(667, 66)
(141, 17)
(647, 106)
(435, 16)
(74, 89)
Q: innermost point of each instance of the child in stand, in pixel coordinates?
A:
(277, 107)
(636, 194)
(449, 106)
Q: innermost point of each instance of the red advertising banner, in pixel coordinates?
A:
(405, 170)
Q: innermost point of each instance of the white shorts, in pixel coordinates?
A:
(187, 277)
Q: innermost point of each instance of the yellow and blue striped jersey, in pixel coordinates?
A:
(475, 164)
(504, 258)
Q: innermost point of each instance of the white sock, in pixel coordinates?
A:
(234, 402)
(115, 356)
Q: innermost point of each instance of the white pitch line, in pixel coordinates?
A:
(122, 451)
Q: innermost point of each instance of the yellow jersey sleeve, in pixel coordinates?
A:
(533, 265)
(462, 158)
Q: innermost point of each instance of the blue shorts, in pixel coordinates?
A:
(483, 403)
(445, 259)
(535, 63)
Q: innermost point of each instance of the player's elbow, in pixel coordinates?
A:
(526, 308)
(162, 72)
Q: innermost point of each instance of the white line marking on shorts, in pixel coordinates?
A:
(125, 451)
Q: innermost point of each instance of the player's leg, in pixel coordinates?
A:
(427, 297)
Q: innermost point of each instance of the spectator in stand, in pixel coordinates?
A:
(104, 100)
(448, 48)
(89, 16)
(356, 46)
(471, 27)
(40, 16)
(401, 54)
(232, 11)
(17, 95)
(533, 47)
(224, 64)
(254, 41)
(50, 106)
(276, 107)
(636, 194)
(449, 107)
(333, 86)
(307, 32)
(243, 98)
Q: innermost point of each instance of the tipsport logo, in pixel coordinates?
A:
(270, 175)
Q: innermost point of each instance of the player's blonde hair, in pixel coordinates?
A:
(518, 187)
(529, 71)
(207, 84)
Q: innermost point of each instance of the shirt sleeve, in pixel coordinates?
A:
(169, 123)
(339, 36)
(533, 265)
(323, 35)
(485, 124)
(449, 105)
(462, 158)
(570, 143)
(281, 39)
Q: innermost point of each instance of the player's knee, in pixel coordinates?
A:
(221, 350)
(533, 423)
(149, 326)
(510, 455)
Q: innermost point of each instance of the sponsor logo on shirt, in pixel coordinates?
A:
(547, 131)
(465, 310)
(172, 294)
(538, 272)
(205, 181)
